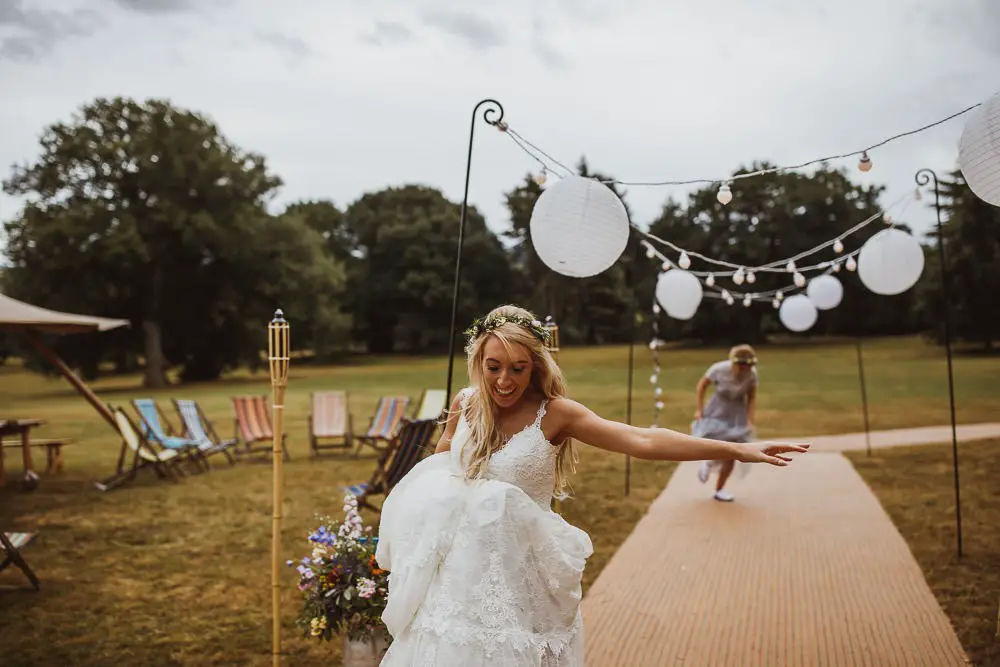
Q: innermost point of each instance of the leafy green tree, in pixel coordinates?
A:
(147, 212)
(972, 255)
(402, 282)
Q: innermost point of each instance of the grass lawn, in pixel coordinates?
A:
(916, 487)
(162, 574)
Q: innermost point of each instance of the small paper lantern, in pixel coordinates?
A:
(825, 292)
(679, 292)
(979, 151)
(798, 313)
(890, 262)
(579, 227)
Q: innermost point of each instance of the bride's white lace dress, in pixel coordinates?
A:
(482, 572)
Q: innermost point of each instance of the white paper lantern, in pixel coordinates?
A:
(825, 292)
(798, 313)
(890, 262)
(979, 151)
(679, 292)
(579, 227)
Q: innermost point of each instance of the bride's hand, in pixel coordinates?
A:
(770, 452)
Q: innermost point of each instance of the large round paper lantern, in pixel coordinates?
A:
(798, 313)
(679, 292)
(979, 151)
(890, 262)
(579, 227)
(825, 292)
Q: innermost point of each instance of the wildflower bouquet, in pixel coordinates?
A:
(343, 588)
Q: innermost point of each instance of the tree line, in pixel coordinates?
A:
(147, 212)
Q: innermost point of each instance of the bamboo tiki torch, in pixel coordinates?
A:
(277, 352)
(553, 346)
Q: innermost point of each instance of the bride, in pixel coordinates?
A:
(482, 571)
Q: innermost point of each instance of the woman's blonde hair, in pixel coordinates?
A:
(481, 412)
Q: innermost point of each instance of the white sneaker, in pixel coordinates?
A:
(703, 472)
(724, 496)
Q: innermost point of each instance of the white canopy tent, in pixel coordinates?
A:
(30, 321)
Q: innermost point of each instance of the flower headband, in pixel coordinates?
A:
(743, 359)
(483, 325)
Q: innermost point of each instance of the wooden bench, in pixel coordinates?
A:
(53, 450)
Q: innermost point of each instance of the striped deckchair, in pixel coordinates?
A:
(155, 428)
(330, 419)
(11, 545)
(404, 451)
(432, 404)
(385, 423)
(162, 461)
(199, 429)
(253, 425)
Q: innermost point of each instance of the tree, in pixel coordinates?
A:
(145, 211)
(972, 256)
(401, 284)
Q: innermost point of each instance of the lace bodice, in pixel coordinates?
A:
(528, 460)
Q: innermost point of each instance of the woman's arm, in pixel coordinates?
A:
(702, 387)
(751, 406)
(444, 442)
(659, 444)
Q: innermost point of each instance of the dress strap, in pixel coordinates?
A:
(541, 413)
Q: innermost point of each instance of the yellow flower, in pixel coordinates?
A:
(317, 625)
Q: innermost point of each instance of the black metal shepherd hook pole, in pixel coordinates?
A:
(923, 177)
(493, 115)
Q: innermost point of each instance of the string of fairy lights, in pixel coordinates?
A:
(673, 257)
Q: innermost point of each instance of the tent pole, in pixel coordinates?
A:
(72, 377)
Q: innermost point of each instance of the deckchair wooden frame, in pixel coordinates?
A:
(189, 448)
(404, 451)
(320, 429)
(11, 545)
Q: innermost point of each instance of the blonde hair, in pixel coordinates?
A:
(480, 411)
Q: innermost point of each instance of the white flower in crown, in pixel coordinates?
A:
(536, 323)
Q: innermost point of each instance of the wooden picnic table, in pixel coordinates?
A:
(22, 428)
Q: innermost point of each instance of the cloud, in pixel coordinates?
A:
(543, 49)
(291, 45)
(477, 32)
(389, 31)
(33, 33)
(155, 6)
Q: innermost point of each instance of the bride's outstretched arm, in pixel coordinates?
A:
(444, 442)
(580, 423)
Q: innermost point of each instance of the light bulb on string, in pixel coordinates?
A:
(659, 405)
(851, 264)
(747, 300)
(684, 261)
(541, 177)
(726, 296)
(865, 163)
(887, 219)
(738, 277)
(650, 252)
(710, 280)
(779, 295)
(751, 278)
(800, 280)
(656, 309)
(790, 267)
(836, 267)
(838, 246)
(666, 266)
(725, 195)
(658, 392)
(653, 379)
(776, 303)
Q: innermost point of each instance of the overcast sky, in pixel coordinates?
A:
(348, 97)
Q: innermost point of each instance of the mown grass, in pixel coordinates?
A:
(164, 574)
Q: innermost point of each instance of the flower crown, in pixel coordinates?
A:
(483, 325)
(743, 359)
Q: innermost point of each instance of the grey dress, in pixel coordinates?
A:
(725, 415)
